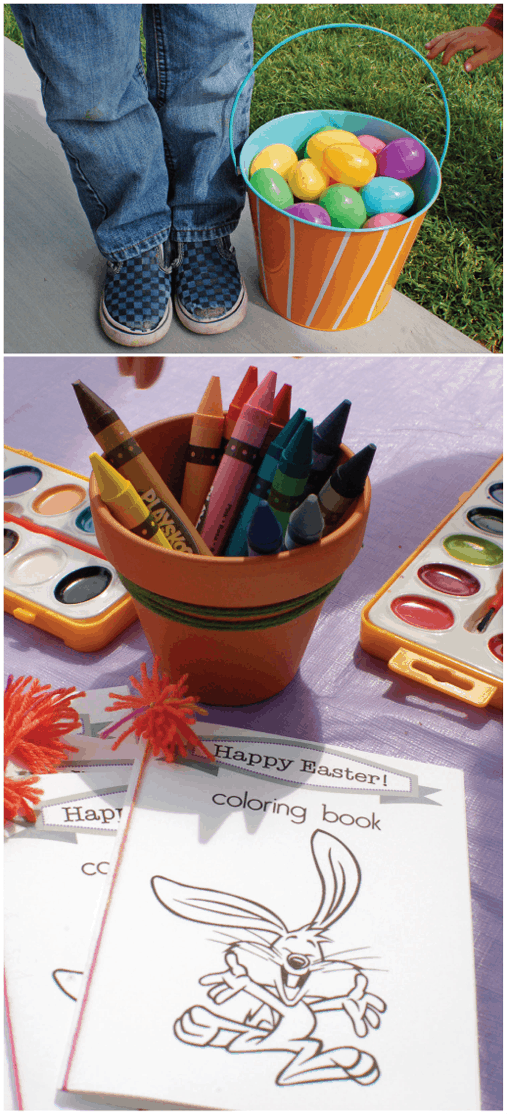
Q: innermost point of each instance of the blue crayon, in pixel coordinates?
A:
(326, 444)
(292, 474)
(261, 485)
(306, 524)
(265, 532)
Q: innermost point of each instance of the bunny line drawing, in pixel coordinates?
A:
(286, 973)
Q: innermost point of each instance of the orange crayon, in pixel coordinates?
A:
(204, 450)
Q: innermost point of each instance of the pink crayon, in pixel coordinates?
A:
(240, 457)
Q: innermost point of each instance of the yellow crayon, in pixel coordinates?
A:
(124, 503)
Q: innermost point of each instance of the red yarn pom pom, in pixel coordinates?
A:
(18, 793)
(162, 714)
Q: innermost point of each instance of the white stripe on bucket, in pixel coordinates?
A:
(260, 241)
(362, 280)
(392, 265)
(328, 279)
(291, 267)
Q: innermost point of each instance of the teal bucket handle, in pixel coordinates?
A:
(341, 26)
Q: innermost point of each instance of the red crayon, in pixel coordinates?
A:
(242, 394)
(240, 457)
(281, 414)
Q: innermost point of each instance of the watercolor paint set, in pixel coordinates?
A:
(425, 620)
(55, 575)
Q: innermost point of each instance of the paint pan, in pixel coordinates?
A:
(424, 619)
(55, 575)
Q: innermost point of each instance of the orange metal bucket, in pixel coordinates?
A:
(321, 277)
(237, 626)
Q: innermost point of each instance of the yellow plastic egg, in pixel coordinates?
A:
(349, 164)
(306, 181)
(317, 143)
(277, 156)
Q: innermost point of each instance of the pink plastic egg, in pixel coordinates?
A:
(372, 143)
(380, 220)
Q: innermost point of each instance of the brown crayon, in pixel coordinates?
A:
(122, 451)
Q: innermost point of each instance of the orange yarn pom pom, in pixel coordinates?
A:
(34, 720)
(162, 714)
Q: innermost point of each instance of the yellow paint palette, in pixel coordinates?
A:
(424, 621)
(55, 576)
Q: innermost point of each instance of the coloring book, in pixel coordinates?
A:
(287, 928)
(54, 874)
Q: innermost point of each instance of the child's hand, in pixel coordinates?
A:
(146, 370)
(486, 43)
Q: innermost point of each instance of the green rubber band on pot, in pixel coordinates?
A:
(228, 619)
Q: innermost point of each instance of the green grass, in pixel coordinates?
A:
(454, 268)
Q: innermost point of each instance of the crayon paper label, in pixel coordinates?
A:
(172, 527)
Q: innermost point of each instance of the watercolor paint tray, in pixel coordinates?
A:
(55, 576)
(423, 621)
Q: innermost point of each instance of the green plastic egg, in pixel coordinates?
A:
(345, 207)
(273, 187)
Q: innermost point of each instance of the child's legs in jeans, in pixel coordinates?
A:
(94, 90)
(197, 57)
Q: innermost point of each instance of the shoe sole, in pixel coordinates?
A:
(221, 325)
(130, 339)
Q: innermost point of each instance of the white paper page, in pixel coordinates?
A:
(54, 875)
(285, 946)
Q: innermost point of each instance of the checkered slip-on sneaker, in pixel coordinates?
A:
(210, 294)
(135, 307)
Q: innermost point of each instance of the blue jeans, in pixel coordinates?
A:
(149, 154)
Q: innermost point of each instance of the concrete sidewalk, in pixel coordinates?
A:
(54, 273)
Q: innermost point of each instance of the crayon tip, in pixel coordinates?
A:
(282, 405)
(97, 414)
(211, 403)
(306, 524)
(328, 434)
(264, 535)
(284, 436)
(348, 480)
(264, 394)
(110, 483)
(244, 391)
(299, 449)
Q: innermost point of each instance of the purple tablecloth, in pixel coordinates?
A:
(437, 425)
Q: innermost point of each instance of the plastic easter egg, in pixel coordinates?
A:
(277, 156)
(306, 181)
(372, 143)
(382, 220)
(402, 158)
(308, 211)
(387, 195)
(273, 187)
(317, 143)
(349, 164)
(345, 206)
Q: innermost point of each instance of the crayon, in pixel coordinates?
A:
(203, 452)
(326, 444)
(344, 485)
(306, 524)
(265, 532)
(292, 473)
(261, 484)
(281, 413)
(124, 503)
(241, 396)
(240, 457)
(123, 452)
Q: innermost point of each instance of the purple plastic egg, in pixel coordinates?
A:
(380, 220)
(372, 143)
(402, 158)
(309, 211)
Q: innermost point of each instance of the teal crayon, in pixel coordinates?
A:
(292, 473)
(326, 443)
(264, 535)
(261, 484)
(306, 524)
(344, 486)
